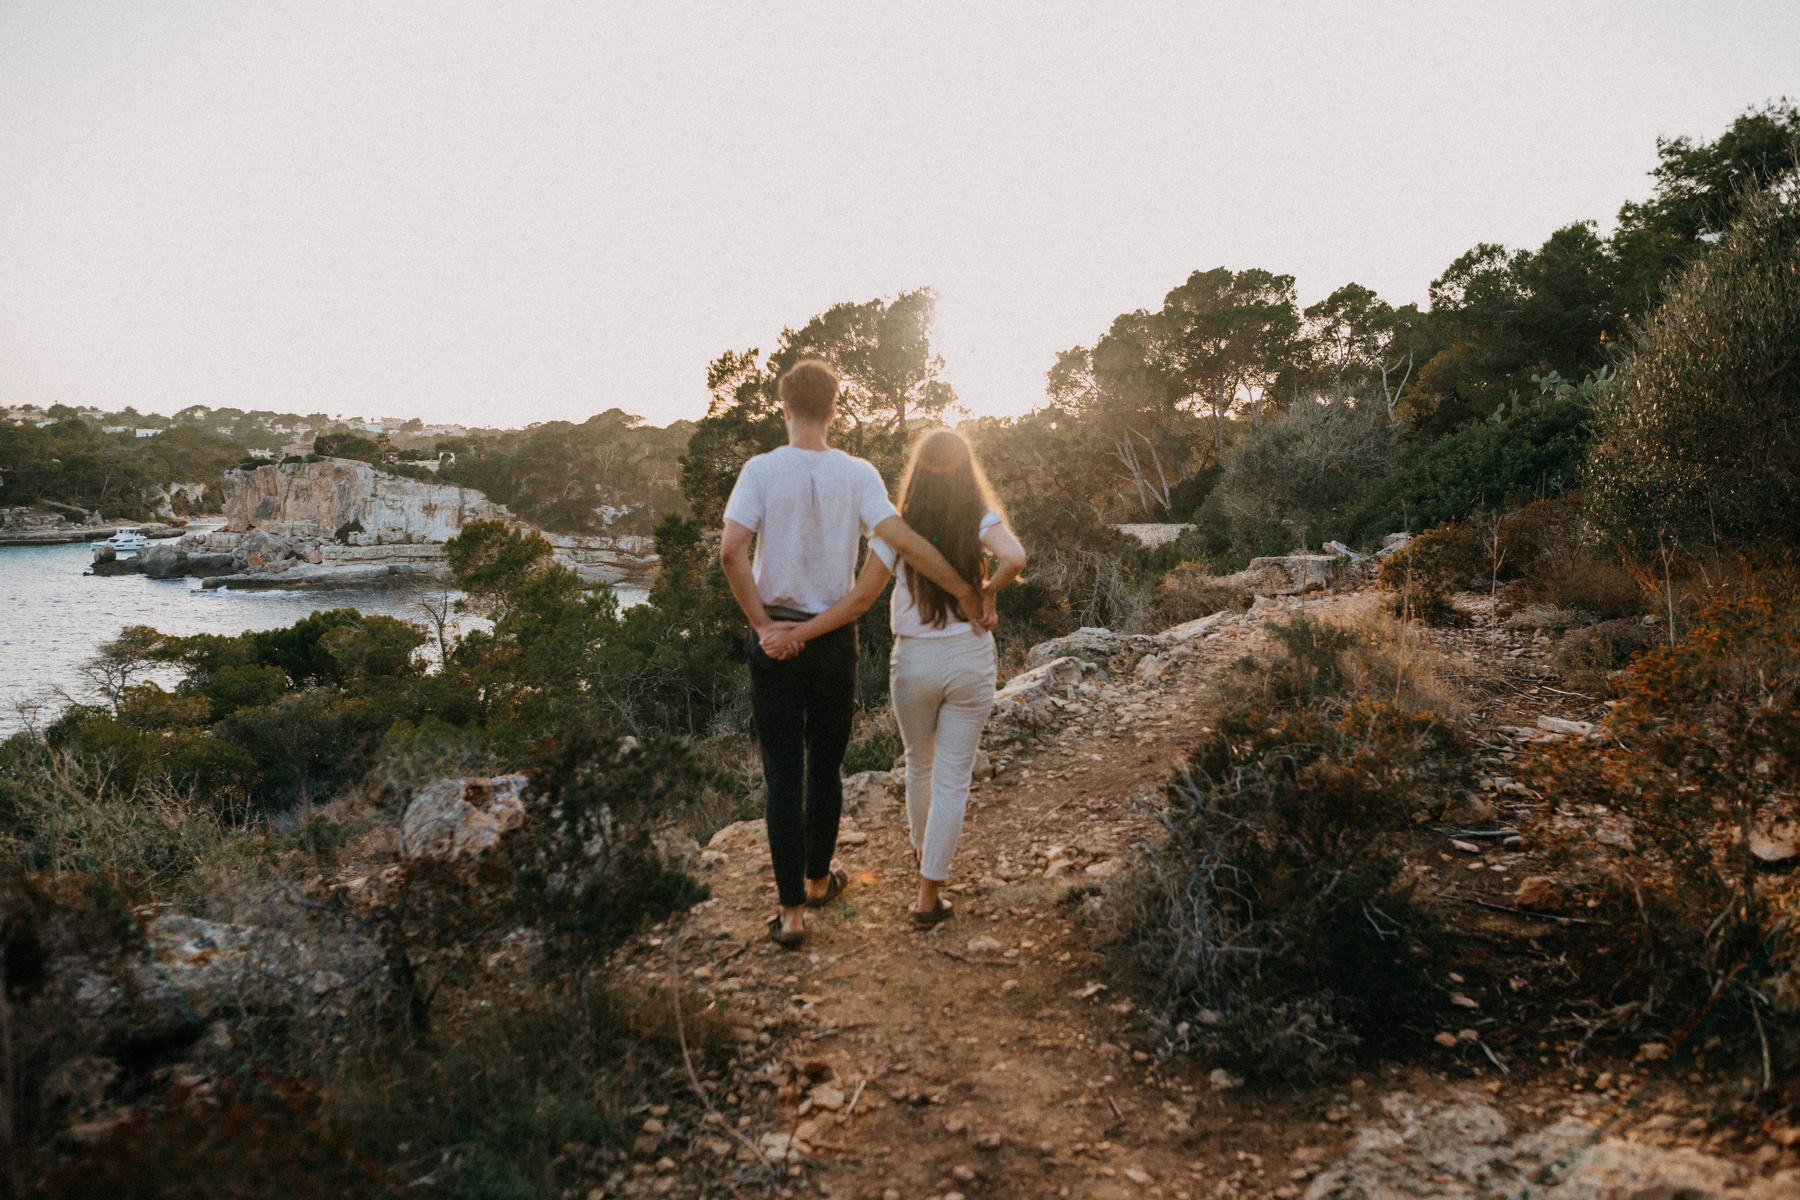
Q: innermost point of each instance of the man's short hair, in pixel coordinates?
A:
(809, 389)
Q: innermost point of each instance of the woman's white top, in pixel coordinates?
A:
(903, 614)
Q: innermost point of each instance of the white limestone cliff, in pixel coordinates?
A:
(314, 500)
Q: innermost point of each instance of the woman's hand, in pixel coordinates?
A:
(778, 641)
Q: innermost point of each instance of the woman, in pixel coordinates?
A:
(941, 672)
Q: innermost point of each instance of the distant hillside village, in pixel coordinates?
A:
(610, 473)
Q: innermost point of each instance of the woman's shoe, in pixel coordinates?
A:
(835, 883)
(781, 937)
(937, 916)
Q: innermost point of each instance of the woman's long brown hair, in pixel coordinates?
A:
(943, 495)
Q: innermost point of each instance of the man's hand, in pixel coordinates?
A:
(778, 641)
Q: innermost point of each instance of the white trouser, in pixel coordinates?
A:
(943, 691)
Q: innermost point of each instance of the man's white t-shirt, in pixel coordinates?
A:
(808, 508)
(903, 611)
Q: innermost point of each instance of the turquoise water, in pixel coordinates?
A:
(52, 617)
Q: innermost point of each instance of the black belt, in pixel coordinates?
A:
(782, 612)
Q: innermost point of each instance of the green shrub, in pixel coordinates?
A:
(1697, 445)
(875, 743)
(1311, 667)
(1271, 914)
(1535, 449)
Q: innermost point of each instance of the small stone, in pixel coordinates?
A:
(1467, 1035)
(1445, 1039)
(653, 1126)
(1466, 847)
(955, 1125)
(1539, 893)
(665, 1164)
(826, 1096)
(1651, 1052)
(963, 1174)
(852, 839)
(1462, 1001)
(984, 945)
(1223, 1080)
(1137, 1175)
(659, 1110)
(989, 1141)
(1010, 985)
(1106, 869)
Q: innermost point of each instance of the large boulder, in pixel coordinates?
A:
(1187, 631)
(1117, 652)
(211, 565)
(1291, 574)
(462, 816)
(220, 968)
(164, 562)
(1461, 1147)
(259, 551)
(1029, 703)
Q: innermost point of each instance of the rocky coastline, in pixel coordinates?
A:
(343, 524)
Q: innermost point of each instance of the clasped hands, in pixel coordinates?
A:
(779, 643)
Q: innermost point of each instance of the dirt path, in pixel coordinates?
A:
(1001, 1055)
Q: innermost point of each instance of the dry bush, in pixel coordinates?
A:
(1389, 661)
(1589, 657)
(1370, 656)
(1598, 589)
(62, 814)
(1097, 586)
(1703, 749)
(1269, 911)
(1187, 593)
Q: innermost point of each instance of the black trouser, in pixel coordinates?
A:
(803, 707)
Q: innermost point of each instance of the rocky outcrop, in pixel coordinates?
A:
(317, 499)
(1291, 574)
(462, 816)
(1462, 1148)
(626, 558)
(1029, 703)
(1151, 535)
(1115, 651)
(361, 528)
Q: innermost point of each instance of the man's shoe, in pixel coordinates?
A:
(835, 883)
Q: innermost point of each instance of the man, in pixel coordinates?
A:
(807, 506)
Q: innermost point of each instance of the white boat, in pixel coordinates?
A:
(126, 541)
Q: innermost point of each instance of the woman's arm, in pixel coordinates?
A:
(1008, 555)
(785, 643)
(931, 563)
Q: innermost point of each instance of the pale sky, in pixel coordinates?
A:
(512, 211)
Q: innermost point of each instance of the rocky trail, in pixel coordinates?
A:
(1004, 1053)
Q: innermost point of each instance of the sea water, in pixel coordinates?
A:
(53, 617)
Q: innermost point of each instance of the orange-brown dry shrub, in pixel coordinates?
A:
(1542, 531)
(1702, 750)
(1420, 578)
